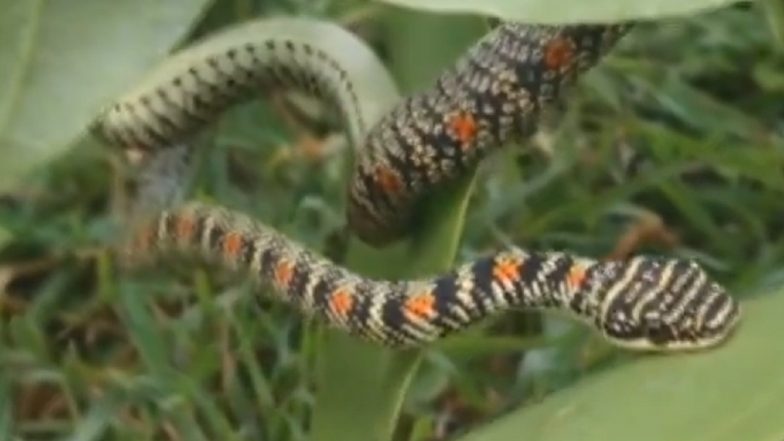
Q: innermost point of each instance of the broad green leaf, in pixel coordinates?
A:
(735, 392)
(566, 11)
(61, 60)
(360, 386)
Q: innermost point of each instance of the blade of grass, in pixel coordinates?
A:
(6, 409)
(95, 423)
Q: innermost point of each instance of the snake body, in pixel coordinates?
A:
(494, 94)
(640, 303)
(193, 87)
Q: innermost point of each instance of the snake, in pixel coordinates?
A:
(493, 95)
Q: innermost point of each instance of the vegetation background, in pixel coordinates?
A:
(672, 146)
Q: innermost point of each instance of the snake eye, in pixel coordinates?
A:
(657, 331)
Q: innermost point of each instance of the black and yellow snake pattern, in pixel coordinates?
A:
(493, 95)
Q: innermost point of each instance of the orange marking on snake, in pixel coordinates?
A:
(341, 302)
(464, 126)
(232, 244)
(284, 271)
(388, 180)
(421, 305)
(507, 270)
(185, 228)
(558, 53)
(576, 276)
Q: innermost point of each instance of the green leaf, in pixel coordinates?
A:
(566, 11)
(62, 60)
(731, 393)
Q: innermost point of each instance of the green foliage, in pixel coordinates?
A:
(675, 141)
(730, 394)
(566, 11)
(61, 60)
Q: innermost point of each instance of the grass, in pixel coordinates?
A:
(673, 146)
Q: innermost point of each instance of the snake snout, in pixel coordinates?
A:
(695, 313)
(669, 305)
(717, 318)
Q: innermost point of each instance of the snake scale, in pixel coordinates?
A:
(494, 94)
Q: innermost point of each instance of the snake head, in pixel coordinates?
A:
(657, 304)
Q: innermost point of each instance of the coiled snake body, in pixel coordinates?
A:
(493, 95)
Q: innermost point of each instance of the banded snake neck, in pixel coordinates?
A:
(643, 303)
(494, 94)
